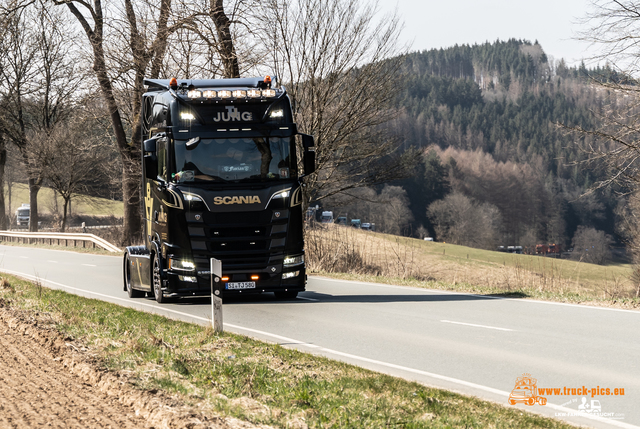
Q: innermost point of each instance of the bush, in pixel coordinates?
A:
(591, 245)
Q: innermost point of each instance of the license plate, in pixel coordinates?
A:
(241, 285)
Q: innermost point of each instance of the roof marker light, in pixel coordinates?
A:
(239, 93)
(224, 94)
(254, 93)
(209, 94)
(268, 92)
(194, 93)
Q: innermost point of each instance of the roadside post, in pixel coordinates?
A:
(216, 295)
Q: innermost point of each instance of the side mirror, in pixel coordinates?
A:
(150, 145)
(150, 167)
(150, 159)
(309, 161)
(307, 141)
(309, 154)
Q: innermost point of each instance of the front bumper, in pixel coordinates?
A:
(182, 283)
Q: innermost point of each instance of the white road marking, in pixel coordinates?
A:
(24, 257)
(291, 341)
(447, 292)
(53, 262)
(89, 265)
(477, 326)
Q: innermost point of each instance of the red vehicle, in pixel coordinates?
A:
(542, 249)
(555, 248)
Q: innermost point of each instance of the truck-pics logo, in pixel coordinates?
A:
(237, 200)
(526, 391)
(233, 114)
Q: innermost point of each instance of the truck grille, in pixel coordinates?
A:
(241, 240)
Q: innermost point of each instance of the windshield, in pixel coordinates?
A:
(23, 212)
(226, 160)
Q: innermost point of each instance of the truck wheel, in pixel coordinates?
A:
(133, 293)
(286, 295)
(157, 281)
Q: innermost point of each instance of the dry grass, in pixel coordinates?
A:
(333, 249)
(231, 375)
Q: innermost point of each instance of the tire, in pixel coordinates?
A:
(286, 295)
(156, 279)
(133, 293)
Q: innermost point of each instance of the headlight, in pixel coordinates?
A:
(195, 202)
(224, 94)
(186, 116)
(290, 275)
(239, 93)
(277, 114)
(290, 261)
(268, 92)
(209, 94)
(254, 93)
(191, 197)
(181, 265)
(282, 194)
(194, 94)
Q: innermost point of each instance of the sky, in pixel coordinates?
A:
(439, 24)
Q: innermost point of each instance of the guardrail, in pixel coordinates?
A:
(52, 238)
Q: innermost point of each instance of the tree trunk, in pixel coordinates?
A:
(223, 28)
(34, 188)
(67, 202)
(132, 199)
(3, 159)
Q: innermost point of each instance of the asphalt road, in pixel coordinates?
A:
(467, 343)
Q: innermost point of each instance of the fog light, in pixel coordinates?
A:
(188, 279)
(290, 275)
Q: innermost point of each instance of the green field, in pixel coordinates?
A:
(80, 204)
(348, 253)
(237, 376)
(563, 268)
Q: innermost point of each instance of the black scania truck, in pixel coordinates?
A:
(220, 179)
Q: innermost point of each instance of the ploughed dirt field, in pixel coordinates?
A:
(47, 380)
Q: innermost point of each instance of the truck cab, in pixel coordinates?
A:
(23, 214)
(221, 179)
(327, 217)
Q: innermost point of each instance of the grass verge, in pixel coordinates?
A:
(351, 254)
(245, 378)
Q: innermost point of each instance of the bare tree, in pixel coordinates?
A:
(393, 210)
(591, 245)
(613, 28)
(19, 73)
(40, 77)
(139, 57)
(341, 63)
(458, 219)
(73, 159)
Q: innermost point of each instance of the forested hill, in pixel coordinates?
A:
(491, 111)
